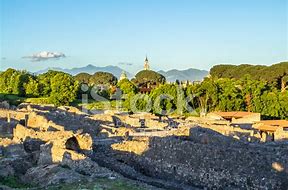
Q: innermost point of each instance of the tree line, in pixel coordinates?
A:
(212, 94)
(221, 91)
(276, 74)
(58, 87)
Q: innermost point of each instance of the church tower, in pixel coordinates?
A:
(146, 64)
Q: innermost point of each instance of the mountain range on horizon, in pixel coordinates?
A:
(190, 74)
(90, 69)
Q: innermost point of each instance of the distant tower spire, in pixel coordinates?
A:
(146, 64)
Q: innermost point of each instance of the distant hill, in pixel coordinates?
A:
(171, 75)
(91, 69)
(182, 75)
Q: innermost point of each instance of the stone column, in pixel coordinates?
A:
(29, 108)
(8, 117)
(26, 120)
(264, 137)
(252, 133)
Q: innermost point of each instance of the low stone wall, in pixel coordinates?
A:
(21, 133)
(251, 118)
(16, 115)
(219, 163)
(42, 123)
(47, 118)
(281, 135)
(55, 152)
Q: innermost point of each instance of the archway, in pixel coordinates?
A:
(72, 144)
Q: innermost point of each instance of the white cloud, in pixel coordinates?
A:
(45, 55)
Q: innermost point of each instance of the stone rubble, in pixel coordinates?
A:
(44, 145)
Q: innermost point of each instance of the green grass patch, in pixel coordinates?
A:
(195, 113)
(16, 100)
(13, 182)
(103, 105)
(101, 184)
(12, 99)
(37, 100)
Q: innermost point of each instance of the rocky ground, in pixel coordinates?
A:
(43, 147)
(52, 150)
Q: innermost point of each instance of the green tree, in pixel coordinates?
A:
(12, 82)
(103, 78)
(148, 76)
(270, 105)
(168, 98)
(284, 82)
(127, 86)
(45, 82)
(272, 74)
(283, 99)
(103, 91)
(63, 89)
(252, 91)
(205, 95)
(222, 71)
(229, 96)
(6, 81)
(83, 78)
(32, 87)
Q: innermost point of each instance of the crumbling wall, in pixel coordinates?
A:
(85, 141)
(213, 116)
(55, 151)
(42, 123)
(281, 134)
(218, 162)
(251, 118)
(21, 133)
(247, 135)
(16, 115)
(138, 147)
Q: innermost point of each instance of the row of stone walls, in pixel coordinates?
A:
(216, 163)
(21, 133)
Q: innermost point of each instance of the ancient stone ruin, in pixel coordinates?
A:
(46, 146)
(33, 145)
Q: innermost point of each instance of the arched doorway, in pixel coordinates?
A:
(72, 144)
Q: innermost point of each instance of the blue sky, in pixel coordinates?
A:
(175, 34)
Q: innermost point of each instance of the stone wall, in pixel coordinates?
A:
(251, 118)
(21, 133)
(16, 115)
(208, 160)
(42, 123)
(55, 152)
(281, 134)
